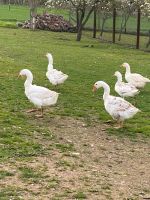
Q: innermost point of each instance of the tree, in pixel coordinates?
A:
(82, 8)
(144, 6)
(105, 10)
(33, 11)
(127, 8)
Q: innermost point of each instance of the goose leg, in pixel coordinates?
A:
(32, 110)
(109, 121)
(119, 124)
(41, 115)
(135, 101)
(56, 86)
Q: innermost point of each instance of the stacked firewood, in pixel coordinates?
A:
(51, 22)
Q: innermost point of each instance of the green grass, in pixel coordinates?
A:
(29, 174)
(16, 14)
(131, 23)
(21, 13)
(53, 182)
(4, 174)
(65, 147)
(9, 18)
(23, 137)
(80, 195)
(26, 49)
(10, 193)
(128, 40)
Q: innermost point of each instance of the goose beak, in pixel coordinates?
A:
(18, 76)
(94, 89)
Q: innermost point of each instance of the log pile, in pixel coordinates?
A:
(51, 22)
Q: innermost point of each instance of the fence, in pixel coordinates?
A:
(120, 28)
(125, 29)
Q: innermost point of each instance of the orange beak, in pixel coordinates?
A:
(94, 89)
(18, 76)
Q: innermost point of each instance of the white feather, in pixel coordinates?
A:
(117, 107)
(54, 76)
(39, 96)
(135, 79)
(124, 89)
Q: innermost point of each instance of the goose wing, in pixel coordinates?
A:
(126, 88)
(58, 74)
(119, 108)
(41, 92)
(139, 78)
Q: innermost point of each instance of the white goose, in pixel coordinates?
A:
(117, 107)
(55, 77)
(124, 89)
(39, 96)
(135, 79)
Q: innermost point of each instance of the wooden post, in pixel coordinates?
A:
(138, 28)
(114, 24)
(98, 20)
(148, 43)
(94, 23)
(9, 5)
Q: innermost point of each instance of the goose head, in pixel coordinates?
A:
(49, 56)
(25, 72)
(105, 86)
(126, 65)
(99, 84)
(118, 75)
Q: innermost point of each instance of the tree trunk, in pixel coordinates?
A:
(114, 26)
(148, 43)
(123, 25)
(102, 28)
(77, 16)
(79, 32)
(95, 23)
(82, 20)
(138, 28)
(33, 11)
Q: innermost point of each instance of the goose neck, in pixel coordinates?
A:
(128, 71)
(119, 78)
(29, 80)
(50, 67)
(106, 91)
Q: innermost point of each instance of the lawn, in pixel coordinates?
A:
(16, 14)
(27, 141)
(8, 18)
(131, 23)
(21, 13)
(85, 65)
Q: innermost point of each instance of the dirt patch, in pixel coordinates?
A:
(86, 163)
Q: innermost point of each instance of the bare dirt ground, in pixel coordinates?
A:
(85, 163)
